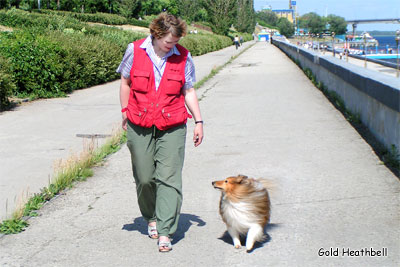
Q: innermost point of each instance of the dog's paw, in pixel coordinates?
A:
(238, 246)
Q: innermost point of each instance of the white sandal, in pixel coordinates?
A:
(164, 246)
(152, 231)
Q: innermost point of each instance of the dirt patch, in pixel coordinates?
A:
(124, 27)
(135, 28)
(5, 29)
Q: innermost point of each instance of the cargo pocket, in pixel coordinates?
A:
(141, 80)
(137, 114)
(174, 117)
(174, 84)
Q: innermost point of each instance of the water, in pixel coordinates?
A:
(385, 43)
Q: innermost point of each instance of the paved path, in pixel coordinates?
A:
(35, 136)
(263, 118)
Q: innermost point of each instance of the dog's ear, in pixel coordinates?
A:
(241, 178)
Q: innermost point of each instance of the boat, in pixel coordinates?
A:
(356, 44)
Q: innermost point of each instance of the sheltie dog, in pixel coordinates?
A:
(244, 208)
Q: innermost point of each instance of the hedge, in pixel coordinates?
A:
(7, 84)
(57, 63)
(199, 44)
(109, 19)
(49, 55)
(98, 17)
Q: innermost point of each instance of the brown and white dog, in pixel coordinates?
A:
(244, 207)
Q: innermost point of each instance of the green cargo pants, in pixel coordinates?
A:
(157, 162)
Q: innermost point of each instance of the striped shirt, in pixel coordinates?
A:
(158, 65)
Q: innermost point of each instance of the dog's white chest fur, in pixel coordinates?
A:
(238, 215)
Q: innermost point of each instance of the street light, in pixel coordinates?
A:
(397, 46)
(365, 49)
(333, 43)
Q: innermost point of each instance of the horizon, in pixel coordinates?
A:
(349, 10)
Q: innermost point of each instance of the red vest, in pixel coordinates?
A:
(164, 108)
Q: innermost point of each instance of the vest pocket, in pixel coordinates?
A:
(174, 84)
(140, 80)
(137, 114)
(174, 117)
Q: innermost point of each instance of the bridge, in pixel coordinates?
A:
(369, 21)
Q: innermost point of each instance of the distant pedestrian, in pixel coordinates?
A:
(241, 40)
(157, 78)
(236, 41)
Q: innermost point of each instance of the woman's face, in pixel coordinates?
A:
(167, 42)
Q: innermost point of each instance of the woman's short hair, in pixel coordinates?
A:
(167, 23)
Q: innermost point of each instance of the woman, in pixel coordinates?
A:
(157, 77)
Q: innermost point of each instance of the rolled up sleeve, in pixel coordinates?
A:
(190, 75)
(126, 63)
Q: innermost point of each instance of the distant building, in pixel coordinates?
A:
(285, 13)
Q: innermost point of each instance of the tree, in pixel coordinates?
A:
(3, 3)
(313, 22)
(267, 16)
(245, 19)
(154, 7)
(188, 9)
(337, 24)
(130, 8)
(286, 28)
(221, 14)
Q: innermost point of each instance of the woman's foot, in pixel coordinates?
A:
(164, 244)
(152, 230)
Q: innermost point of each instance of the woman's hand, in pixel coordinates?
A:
(124, 121)
(198, 134)
(124, 98)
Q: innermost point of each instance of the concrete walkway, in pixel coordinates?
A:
(263, 118)
(36, 136)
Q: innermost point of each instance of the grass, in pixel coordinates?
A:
(75, 168)
(389, 157)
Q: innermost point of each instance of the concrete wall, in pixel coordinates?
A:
(372, 95)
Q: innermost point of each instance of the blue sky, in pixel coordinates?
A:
(349, 9)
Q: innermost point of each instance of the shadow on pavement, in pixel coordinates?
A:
(185, 222)
(228, 239)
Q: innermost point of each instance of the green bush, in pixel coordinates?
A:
(141, 23)
(110, 19)
(34, 63)
(104, 18)
(48, 55)
(246, 36)
(120, 37)
(38, 22)
(57, 63)
(199, 44)
(53, 55)
(7, 85)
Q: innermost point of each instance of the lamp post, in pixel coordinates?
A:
(365, 49)
(333, 43)
(397, 46)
